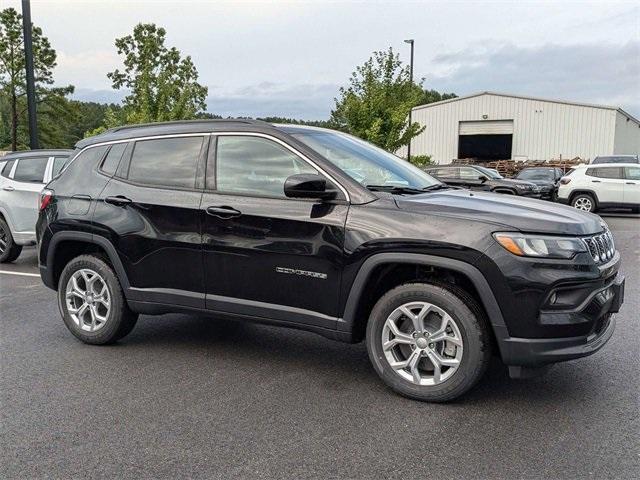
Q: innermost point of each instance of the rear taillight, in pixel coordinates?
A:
(564, 180)
(45, 198)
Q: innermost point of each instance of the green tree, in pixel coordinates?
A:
(163, 85)
(51, 106)
(376, 104)
(432, 96)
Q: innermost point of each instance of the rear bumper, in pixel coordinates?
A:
(538, 352)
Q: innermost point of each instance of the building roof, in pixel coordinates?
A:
(524, 97)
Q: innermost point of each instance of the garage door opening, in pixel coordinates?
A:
(485, 140)
(485, 147)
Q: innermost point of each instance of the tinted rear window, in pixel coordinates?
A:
(605, 172)
(6, 170)
(31, 170)
(168, 162)
(58, 165)
(111, 161)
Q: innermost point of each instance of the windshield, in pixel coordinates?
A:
(541, 174)
(365, 163)
(490, 172)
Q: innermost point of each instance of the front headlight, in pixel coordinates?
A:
(539, 246)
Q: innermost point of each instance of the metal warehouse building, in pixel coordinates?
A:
(495, 126)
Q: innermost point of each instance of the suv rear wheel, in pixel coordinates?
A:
(584, 202)
(9, 249)
(428, 342)
(91, 301)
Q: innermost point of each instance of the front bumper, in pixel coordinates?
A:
(538, 352)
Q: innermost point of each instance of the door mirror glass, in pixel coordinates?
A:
(308, 185)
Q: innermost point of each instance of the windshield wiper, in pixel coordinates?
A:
(437, 186)
(394, 189)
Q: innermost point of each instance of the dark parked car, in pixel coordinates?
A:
(314, 229)
(480, 178)
(546, 178)
(615, 159)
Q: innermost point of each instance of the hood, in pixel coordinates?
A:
(505, 211)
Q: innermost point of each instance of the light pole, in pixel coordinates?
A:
(31, 88)
(410, 42)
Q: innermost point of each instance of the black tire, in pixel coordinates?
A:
(585, 197)
(120, 319)
(9, 249)
(471, 323)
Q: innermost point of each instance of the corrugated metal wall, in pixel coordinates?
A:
(542, 129)
(627, 139)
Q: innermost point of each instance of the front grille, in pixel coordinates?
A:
(601, 246)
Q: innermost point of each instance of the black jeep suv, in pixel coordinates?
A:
(314, 229)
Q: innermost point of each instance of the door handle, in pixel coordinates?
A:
(596, 181)
(8, 188)
(631, 183)
(118, 201)
(223, 211)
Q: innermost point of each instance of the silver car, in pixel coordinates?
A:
(22, 178)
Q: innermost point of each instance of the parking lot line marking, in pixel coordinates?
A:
(20, 273)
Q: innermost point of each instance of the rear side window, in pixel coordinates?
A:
(605, 172)
(6, 170)
(111, 161)
(31, 170)
(58, 165)
(167, 162)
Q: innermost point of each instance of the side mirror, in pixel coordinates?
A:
(483, 178)
(308, 185)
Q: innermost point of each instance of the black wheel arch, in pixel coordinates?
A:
(92, 244)
(350, 317)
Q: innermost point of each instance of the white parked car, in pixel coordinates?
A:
(22, 178)
(592, 187)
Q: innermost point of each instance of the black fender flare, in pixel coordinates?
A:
(487, 297)
(85, 237)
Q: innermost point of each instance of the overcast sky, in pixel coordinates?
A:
(289, 58)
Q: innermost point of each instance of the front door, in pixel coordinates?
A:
(264, 254)
(152, 215)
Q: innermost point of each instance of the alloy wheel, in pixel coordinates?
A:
(422, 343)
(88, 299)
(584, 204)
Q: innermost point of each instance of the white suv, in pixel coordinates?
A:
(22, 178)
(591, 187)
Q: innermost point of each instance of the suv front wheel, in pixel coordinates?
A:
(428, 342)
(91, 301)
(9, 249)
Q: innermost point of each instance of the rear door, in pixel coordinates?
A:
(607, 182)
(632, 185)
(150, 212)
(21, 191)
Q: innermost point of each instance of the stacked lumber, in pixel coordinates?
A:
(510, 168)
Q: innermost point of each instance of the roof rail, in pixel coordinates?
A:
(183, 122)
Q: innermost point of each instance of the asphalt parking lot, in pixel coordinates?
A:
(186, 396)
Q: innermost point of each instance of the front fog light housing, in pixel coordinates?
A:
(540, 246)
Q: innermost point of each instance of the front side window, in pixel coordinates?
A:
(467, 173)
(31, 170)
(254, 166)
(605, 172)
(632, 173)
(167, 162)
